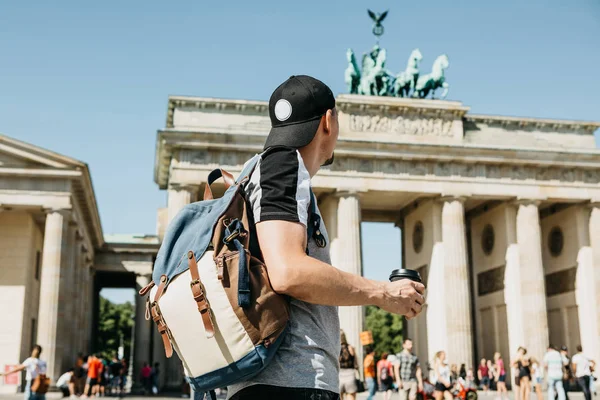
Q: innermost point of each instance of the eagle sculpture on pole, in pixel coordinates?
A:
(378, 19)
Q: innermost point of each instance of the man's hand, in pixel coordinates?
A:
(403, 297)
(420, 387)
(399, 383)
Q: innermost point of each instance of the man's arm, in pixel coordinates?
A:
(294, 273)
(397, 374)
(420, 377)
(12, 371)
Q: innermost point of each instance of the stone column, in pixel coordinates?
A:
(88, 310)
(587, 289)
(179, 196)
(54, 260)
(532, 280)
(76, 301)
(348, 258)
(435, 315)
(142, 328)
(456, 279)
(67, 301)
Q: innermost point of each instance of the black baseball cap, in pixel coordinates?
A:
(295, 109)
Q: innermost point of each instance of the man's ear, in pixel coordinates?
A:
(328, 121)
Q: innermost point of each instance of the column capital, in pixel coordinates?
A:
(184, 187)
(65, 212)
(593, 204)
(450, 198)
(345, 192)
(527, 202)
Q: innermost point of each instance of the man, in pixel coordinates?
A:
(369, 367)
(554, 363)
(408, 373)
(567, 373)
(94, 366)
(115, 372)
(303, 138)
(66, 385)
(483, 374)
(34, 367)
(582, 368)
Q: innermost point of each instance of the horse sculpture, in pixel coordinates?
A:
(375, 80)
(407, 79)
(434, 80)
(352, 75)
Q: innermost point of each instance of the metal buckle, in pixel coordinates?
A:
(232, 236)
(195, 282)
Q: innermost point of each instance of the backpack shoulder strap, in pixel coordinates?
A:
(248, 168)
(313, 224)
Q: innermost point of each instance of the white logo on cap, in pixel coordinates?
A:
(283, 109)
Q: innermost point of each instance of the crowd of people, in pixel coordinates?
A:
(402, 373)
(91, 376)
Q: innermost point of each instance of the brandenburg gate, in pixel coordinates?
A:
(501, 215)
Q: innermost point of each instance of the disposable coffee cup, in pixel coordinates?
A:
(411, 274)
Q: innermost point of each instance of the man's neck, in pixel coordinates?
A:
(311, 159)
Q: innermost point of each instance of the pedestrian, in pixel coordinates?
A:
(348, 369)
(554, 363)
(567, 373)
(462, 372)
(369, 371)
(442, 377)
(155, 377)
(66, 385)
(34, 367)
(146, 372)
(500, 376)
(453, 374)
(523, 366)
(303, 137)
(491, 374)
(483, 375)
(537, 378)
(470, 380)
(123, 376)
(94, 366)
(385, 376)
(582, 369)
(79, 375)
(102, 376)
(115, 372)
(409, 376)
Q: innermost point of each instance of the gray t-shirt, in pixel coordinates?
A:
(279, 189)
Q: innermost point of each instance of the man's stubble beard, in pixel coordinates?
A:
(329, 161)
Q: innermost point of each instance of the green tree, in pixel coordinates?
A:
(115, 322)
(386, 329)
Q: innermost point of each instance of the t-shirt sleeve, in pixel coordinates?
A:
(28, 362)
(283, 187)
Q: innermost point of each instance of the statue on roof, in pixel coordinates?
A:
(374, 79)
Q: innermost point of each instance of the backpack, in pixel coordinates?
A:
(384, 375)
(210, 296)
(40, 383)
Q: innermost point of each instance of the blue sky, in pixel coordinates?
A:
(90, 79)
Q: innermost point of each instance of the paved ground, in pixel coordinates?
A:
(361, 396)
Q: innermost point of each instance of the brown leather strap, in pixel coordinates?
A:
(143, 291)
(229, 181)
(158, 318)
(200, 296)
(162, 328)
